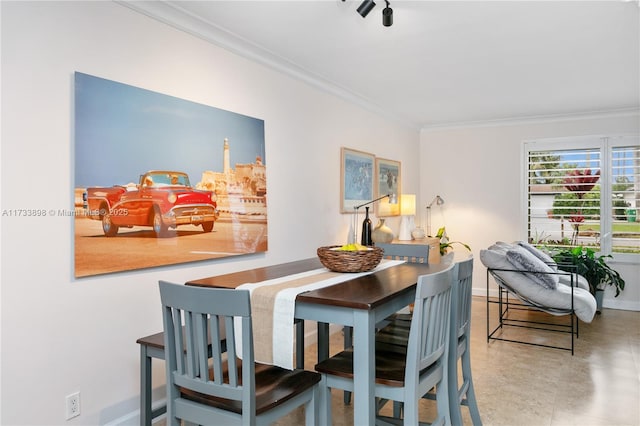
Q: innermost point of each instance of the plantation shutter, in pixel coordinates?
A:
(625, 197)
(564, 197)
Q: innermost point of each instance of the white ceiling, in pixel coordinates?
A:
(442, 63)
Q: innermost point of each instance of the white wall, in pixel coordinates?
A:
(477, 170)
(61, 335)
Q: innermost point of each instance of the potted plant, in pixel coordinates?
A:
(583, 261)
(445, 244)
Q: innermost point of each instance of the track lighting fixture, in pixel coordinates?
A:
(365, 7)
(387, 15)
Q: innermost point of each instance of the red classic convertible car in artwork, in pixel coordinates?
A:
(161, 199)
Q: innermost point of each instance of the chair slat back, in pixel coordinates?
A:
(208, 315)
(413, 253)
(429, 332)
(461, 297)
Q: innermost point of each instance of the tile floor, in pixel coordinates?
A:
(519, 385)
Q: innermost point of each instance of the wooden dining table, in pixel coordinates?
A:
(359, 302)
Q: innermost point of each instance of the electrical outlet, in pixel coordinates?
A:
(73, 405)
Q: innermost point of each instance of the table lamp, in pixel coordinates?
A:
(438, 201)
(407, 210)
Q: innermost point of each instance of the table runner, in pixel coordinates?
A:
(273, 310)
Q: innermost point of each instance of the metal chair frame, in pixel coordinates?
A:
(506, 305)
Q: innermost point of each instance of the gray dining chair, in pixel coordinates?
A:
(412, 253)
(206, 385)
(406, 377)
(461, 392)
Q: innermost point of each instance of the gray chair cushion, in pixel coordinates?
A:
(540, 272)
(539, 254)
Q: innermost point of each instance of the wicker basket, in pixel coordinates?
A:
(349, 261)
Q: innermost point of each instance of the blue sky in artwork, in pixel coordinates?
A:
(122, 131)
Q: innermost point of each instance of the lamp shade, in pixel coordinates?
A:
(407, 209)
(408, 204)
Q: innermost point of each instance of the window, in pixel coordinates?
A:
(584, 191)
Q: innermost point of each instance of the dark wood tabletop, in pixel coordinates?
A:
(257, 275)
(361, 292)
(372, 290)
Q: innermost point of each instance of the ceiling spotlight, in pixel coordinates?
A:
(387, 16)
(366, 7)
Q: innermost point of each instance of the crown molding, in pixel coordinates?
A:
(172, 14)
(539, 119)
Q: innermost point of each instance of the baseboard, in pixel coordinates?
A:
(624, 305)
(133, 418)
(483, 292)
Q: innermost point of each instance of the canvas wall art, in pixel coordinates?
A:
(160, 180)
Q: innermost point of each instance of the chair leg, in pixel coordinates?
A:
(145, 387)
(410, 413)
(312, 408)
(471, 394)
(442, 402)
(454, 391)
(324, 402)
(173, 421)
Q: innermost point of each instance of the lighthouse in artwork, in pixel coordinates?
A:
(226, 166)
(246, 179)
